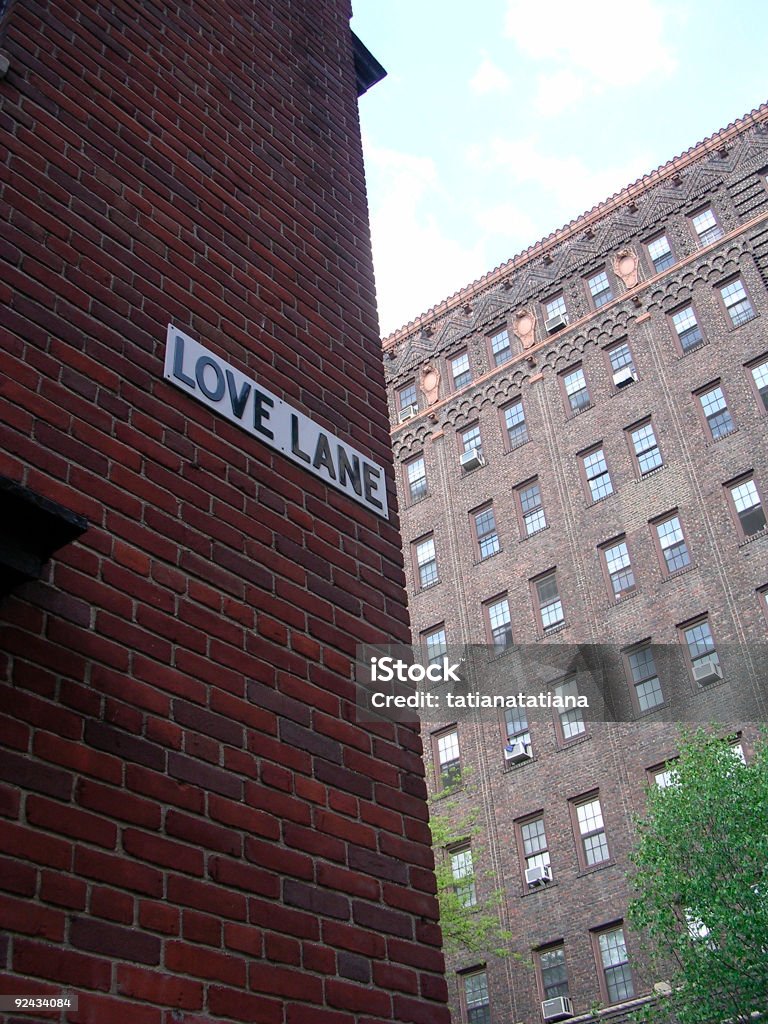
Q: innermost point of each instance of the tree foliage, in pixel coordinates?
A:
(701, 878)
(466, 929)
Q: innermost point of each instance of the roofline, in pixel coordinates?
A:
(711, 144)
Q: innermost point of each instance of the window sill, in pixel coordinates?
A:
(509, 766)
(419, 500)
(487, 558)
(530, 536)
(753, 537)
(517, 447)
(683, 352)
(571, 414)
(563, 744)
(583, 871)
(641, 715)
(551, 632)
(599, 501)
(715, 440)
(679, 572)
(429, 586)
(532, 890)
(650, 473)
(624, 597)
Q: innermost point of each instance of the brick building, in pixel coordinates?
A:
(194, 530)
(580, 439)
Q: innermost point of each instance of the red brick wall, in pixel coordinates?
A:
(194, 827)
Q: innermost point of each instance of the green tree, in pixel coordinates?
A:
(467, 926)
(701, 878)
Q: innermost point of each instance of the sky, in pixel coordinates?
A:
(500, 121)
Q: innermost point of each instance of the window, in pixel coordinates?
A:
(530, 507)
(448, 761)
(470, 438)
(597, 475)
(416, 476)
(700, 645)
(460, 371)
(570, 722)
(501, 349)
(687, 328)
(672, 544)
(762, 596)
(622, 365)
(747, 505)
(660, 253)
(548, 604)
(499, 623)
(463, 876)
(645, 448)
(593, 846)
(663, 777)
(435, 644)
(706, 227)
(614, 961)
(618, 567)
(514, 422)
(553, 973)
(760, 379)
(476, 998)
(645, 680)
(556, 307)
(736, 301)
(576, 390)
(600, 289)
(485, 532)
(533, 840)
(426, 562)
(407, 397)
(516, 729)
(714, 408)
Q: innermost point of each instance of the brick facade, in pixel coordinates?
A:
(194, 827)
(722, 572)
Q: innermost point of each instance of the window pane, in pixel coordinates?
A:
(619, 568)
(746, 500)
(620, 357)
(501, 348)
(554, 977)
(737, 303)
(476, 993)
(600, 288)
(716, 412)
(462, 375)
(687, 328)
(514, 419)
(462, 871)
(576, 388)
(417, 478)
(646, 448)
(598, 477)
(448, 758)
(470, 438)
(613, 953)
(760, 377)
(660, 253)
(533, 513)
(673, 546)
(436, 645)
(499, 618)
(707, 227)
(426, 561)
(407, 396)
(488, 540)
(556, 307)
(517, 726)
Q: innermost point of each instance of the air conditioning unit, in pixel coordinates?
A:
(408, 412)
(538, 875)
(626, 375)
(707, 672)
(472, 458)
(556, 323)
(518, 752)
(559, 1008)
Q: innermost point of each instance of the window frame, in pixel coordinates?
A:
(616, 926)
(417, 565)
(705, 417)
(493, 360)
(452, 376)
(441, 784)
(684, 350)
(646, 421)
(730, 485)
(762, 596)
(568, 683)
(715, 226)
(413, 499)
(691, 660)
(510, 737)
(580, 837)
(623, 343)
(727, 307)
(457, 850)
(538, 607)
(658, 521)
(551, 947)
(633, 683)
(493, 602)
(557, 299)
(601, 271)
(570, 409)
(585, 477)
(544, 853)
(426, 635)
(751, 366)
(401, 405)
(670, 252)
(603, 549)
(505, 429)
(460, 435)
(474, 516)
(465, 975)
(521, 489)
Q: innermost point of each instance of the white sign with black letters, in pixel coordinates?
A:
(240, 399)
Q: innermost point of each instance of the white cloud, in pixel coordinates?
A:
(489, 78)
(418, 260)
(591, 49)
